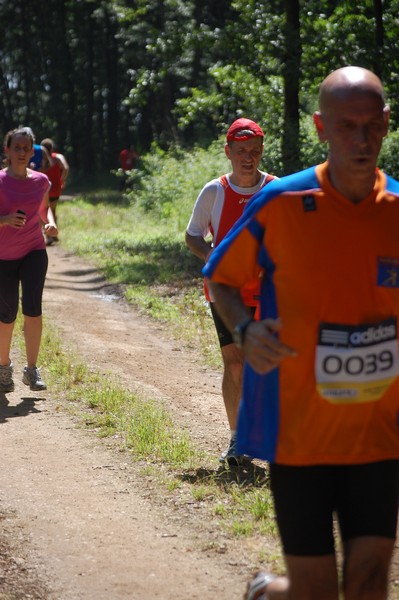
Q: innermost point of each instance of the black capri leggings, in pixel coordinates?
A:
(31, 272)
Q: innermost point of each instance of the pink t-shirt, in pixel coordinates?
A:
(27, 195)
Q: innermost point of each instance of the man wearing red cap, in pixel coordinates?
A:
(219, 205)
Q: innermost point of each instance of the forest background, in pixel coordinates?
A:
(97, 76)
(168, 77)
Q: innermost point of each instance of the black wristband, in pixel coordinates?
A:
(239, 332)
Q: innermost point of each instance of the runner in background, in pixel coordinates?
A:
(57, 172)
(128, 158)
(218, 206)
(40, 160)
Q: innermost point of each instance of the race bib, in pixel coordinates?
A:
(356, 363)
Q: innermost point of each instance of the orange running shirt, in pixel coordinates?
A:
(331, 273)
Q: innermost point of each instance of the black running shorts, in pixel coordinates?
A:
(364, 499)
(224, 335)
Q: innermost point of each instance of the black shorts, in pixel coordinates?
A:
(363, 497)
(224, 335)
(30, 271)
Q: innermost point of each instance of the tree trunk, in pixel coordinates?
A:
(379, 38)
(291, 75)
(111, 155)
(87, 139)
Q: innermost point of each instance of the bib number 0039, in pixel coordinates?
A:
(356, 363)
(334, 364)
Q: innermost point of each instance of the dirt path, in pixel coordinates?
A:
(76, 519)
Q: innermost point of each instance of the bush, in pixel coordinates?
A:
(313, 152)
(388, 160)
(168, 183)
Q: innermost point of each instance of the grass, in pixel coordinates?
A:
(227, 500)
(152, 265)
(143, 425)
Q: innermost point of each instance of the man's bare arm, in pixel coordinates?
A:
(199, 246)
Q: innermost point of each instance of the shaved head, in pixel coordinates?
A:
(342, 82)
(353, 120)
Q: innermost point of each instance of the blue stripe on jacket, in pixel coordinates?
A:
(258, 422)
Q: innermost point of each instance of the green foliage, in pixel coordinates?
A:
(234, 93)
(388, 160)
(312, 151)
(200, 113)
(242, 528)
(338, 37)
(257, 36)
(168, 183)
(176, 72)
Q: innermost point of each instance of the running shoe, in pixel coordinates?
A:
(6, 380)
(33, 378)
(257, 588)
(230, 455)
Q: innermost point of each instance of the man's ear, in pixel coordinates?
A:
(227, 150)
(318, 121)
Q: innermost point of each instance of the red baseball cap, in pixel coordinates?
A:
(243, 129)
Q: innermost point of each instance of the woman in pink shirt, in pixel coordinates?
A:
(24, 205)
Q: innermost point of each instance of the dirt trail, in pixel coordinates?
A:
(75, 521)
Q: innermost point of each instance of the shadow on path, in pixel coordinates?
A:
(246, 475)
(84, 280)
(23, 409)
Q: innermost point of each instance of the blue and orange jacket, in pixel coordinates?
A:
(330, 272)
